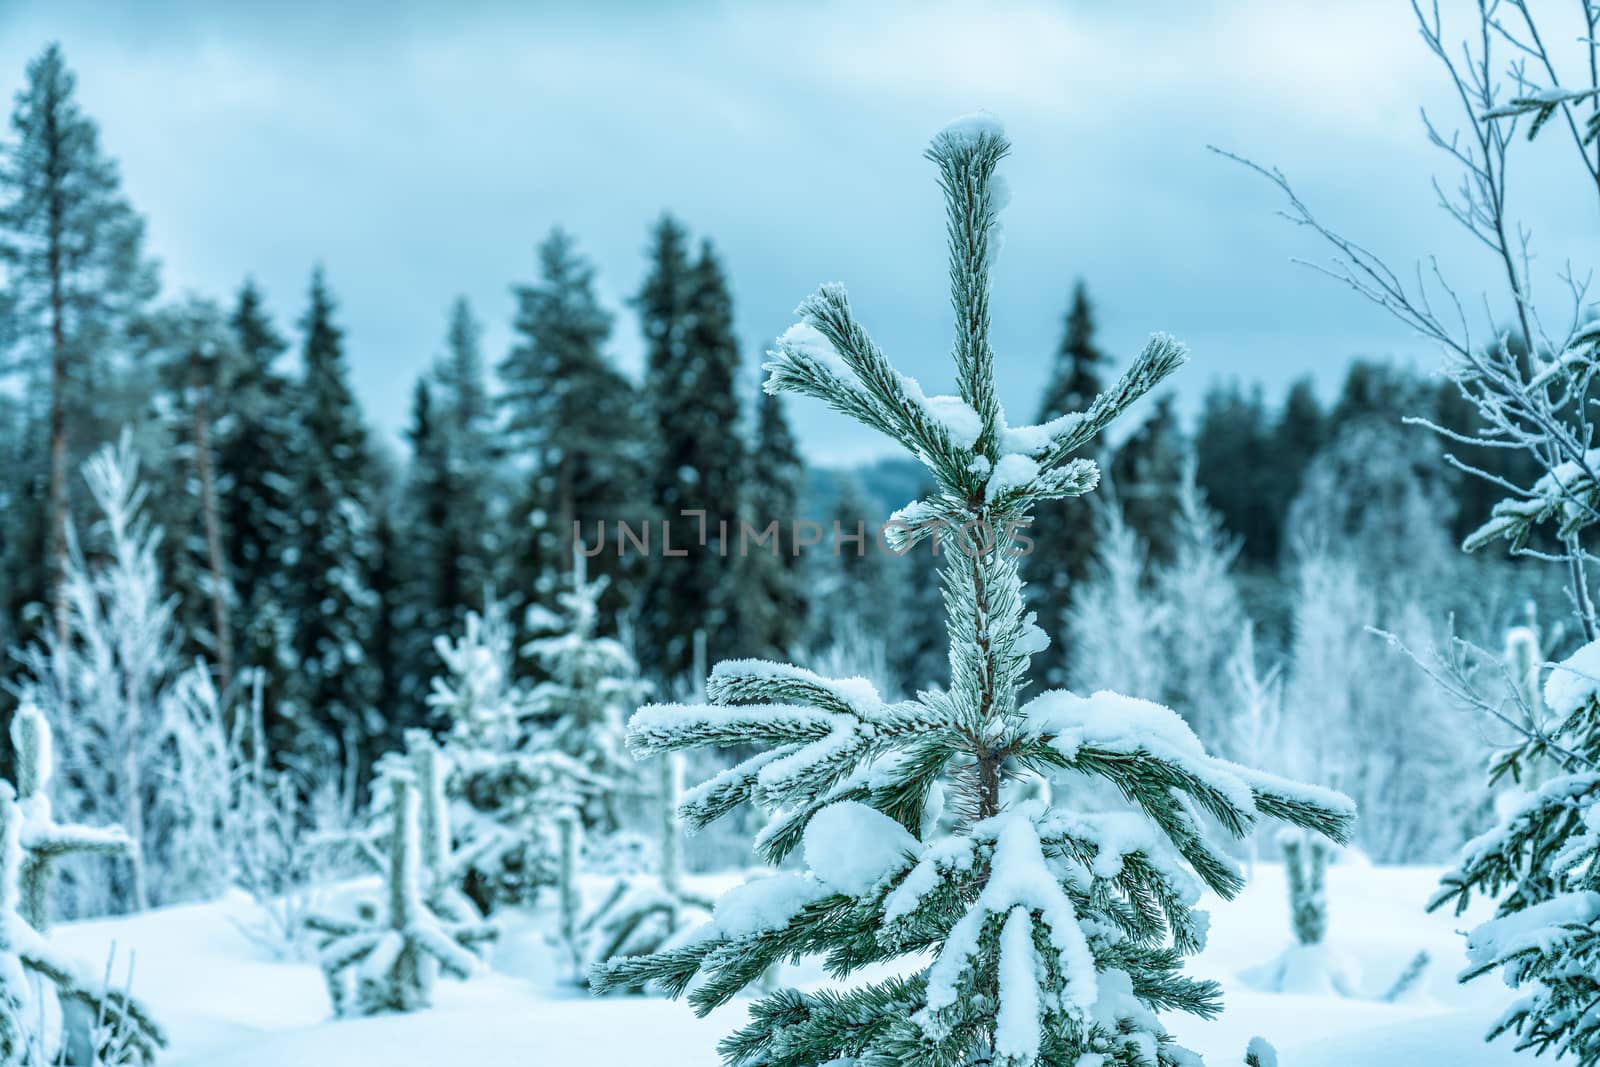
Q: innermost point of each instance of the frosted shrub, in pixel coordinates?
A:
(387, 958)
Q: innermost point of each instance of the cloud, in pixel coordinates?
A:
(421, 151)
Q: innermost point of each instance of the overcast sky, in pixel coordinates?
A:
(420, 151)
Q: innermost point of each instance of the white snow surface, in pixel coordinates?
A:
(1128, 724)
(851, 847)
(227, 1003)
(1573, 680)
(1105, 717)
(806, 340)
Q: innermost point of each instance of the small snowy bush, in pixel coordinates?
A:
(51, 1011)
(387, 958)
(507, 788)
(1308, 966)
(592, 683)
(138, 732)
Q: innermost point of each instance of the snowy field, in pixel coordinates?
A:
(227, 1003)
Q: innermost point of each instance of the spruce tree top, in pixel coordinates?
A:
(67, 233)
(1054, 931)
(1075, 379)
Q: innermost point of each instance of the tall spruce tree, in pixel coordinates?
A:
(333, 607)
(571, 427)
(434, 586)
(398, 651)
(1063, 538)
(774, 598)
(463, 532)
(1027, 934)
(76, 276)
(255, 443)
(13, 495)
(444, 566)
(691, 389)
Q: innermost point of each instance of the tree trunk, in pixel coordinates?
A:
(58, 439)
(133, 820)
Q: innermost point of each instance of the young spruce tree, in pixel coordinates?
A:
(590, 680)
(1026, 933)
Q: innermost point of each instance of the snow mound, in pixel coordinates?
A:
(970, 129)
(1012, 471)
(1539, 928)
(1573, 680)
(1110, 719)
(956, 416)
(1312, 970)
(764, 904)
(851, 847)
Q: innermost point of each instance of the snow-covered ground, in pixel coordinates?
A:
(227, 1003)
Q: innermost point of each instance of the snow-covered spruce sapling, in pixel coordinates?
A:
(477, 694)
(45, 841)
(1308, 965)
(98, 1026)
(444, 867)
(592, 683)
(1027, 934)
(506, 785)
(386, 959)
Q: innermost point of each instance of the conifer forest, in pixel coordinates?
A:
(775, 535)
